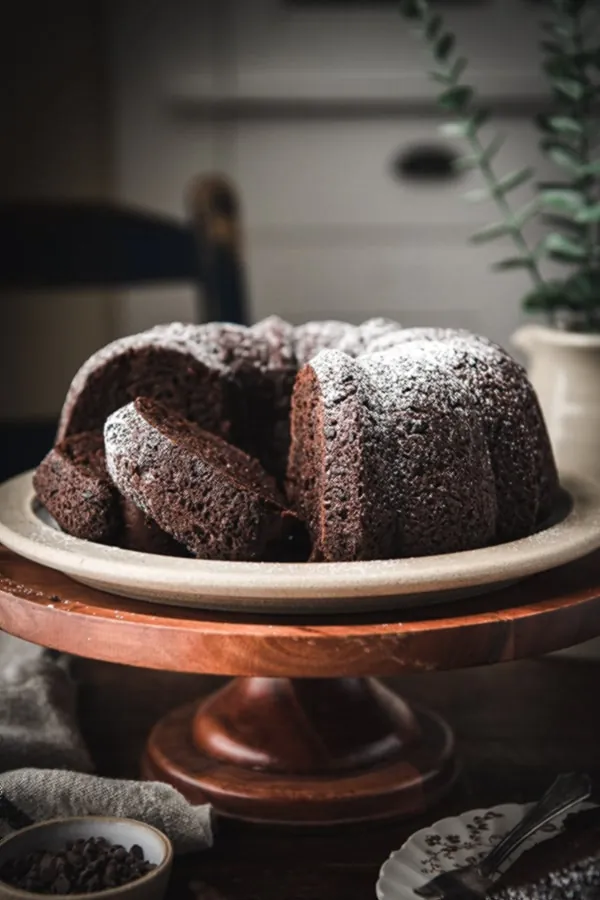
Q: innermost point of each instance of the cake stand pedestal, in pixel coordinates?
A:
(304, 734)
(304, 750)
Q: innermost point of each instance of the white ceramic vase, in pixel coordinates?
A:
(564, 368)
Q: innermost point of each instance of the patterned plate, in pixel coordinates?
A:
(450, 843)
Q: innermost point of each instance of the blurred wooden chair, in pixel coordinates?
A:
(53, 245)
(70, 245)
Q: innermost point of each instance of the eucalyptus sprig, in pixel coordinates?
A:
(459, 98)
(570, 138)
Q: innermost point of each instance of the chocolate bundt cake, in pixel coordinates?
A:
(209, 495)
(233, 381)
(74, 486)
(388, 442)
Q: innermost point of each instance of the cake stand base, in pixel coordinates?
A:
(316, 740)
(304, 751)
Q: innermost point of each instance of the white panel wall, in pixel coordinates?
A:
(306, 112)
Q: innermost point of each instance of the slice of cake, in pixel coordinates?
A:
(74, 486)
(207, 494)
(388, 458)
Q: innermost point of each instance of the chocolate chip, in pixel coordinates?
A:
(83, 867)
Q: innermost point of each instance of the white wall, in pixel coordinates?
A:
(305, 111)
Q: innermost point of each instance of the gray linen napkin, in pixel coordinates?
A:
(37, 710)
(41, 794)
(45, 767)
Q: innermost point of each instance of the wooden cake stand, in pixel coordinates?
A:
(304, 734)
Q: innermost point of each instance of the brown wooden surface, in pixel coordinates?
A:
(547, 612)
(304, 751)
(517, 726)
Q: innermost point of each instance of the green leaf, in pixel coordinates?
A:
(545, 298)
(477, 195)
(466, 127)
(523, 215)
(477, 160)
(457, 68)
(542, 122)
(559, 67)
(456, 129)
(564, 249)
(570, 87)
(565, 158)
(452, 74)
(588, 214)
(440, 77)
(444, 46)
(565, 125)
(565, 224)
(467, 162)
(410, 9)
(512, 181)
(456, 98)
(547, 142)
(583, 59)
(562, 259)
(563, 200)
(592, 168)
(433, 27)
(514, 262)
(557, 29)
(491, 232)
(501, 188)
(584, 286)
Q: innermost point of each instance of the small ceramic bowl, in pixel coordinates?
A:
(56, 833)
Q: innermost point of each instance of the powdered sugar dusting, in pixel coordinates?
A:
(338, 373)
(198, 341)
(277, 335)
(122, 444)
(367, 334)
(404, 380)
(311, 338)
(422, 444)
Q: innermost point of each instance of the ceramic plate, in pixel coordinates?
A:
(294, 588)
(450, 843)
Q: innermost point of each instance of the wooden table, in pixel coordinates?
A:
(522, 724)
